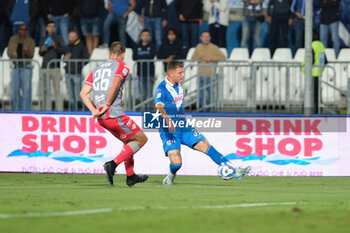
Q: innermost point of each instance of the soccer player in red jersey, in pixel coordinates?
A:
(106, 83)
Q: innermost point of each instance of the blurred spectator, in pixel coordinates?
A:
(145, 49)
(90, 13)
(207, 53)
(173, 19)
(155, 14)
(40, 23)
(23, 11)
(21, 46)
(298, 8)
(251, 24)
(52, 47)
(190, 14)
(330, 22)
(172, 48)
(318, 61)
(280, 18)
(74, 20)
(59, 12)
(3, 26)
(75, 50)
(218, 20)
(3, 3)
(118, 13)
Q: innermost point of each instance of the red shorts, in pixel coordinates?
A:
(122, 127)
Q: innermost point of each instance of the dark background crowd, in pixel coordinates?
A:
(98, 22)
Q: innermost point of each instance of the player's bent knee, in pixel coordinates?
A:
(143, 139)
(140, 138)
(206, 143)
(202, 146)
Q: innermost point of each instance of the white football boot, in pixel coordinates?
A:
(240, 172)
(169, 179)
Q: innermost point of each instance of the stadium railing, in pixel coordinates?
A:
(236, 86)
(6, 69)
(240, 86)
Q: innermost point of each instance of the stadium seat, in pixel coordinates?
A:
(282, 54)
(4, 54)
(191, 71)
(342, 69)
(236, 77)
(299, 55)
(329, 95)
(297, 79)
(129, 62)
(128, 59)
(5, 72)
(330, 54)
(334, 76)
(224, 51)
(159, 73)
(278, 75)
(261, 54)
(36, 76)
(99, 54)
(239, 54)
(344, 55)
(264, 88)
(296, 85)
(190, 53)
(235, 83)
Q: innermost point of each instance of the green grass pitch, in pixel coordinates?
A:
(86, 203)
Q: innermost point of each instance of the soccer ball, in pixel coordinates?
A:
(226, 171)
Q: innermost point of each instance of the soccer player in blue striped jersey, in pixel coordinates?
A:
(169, 100)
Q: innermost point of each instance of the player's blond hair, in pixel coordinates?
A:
(117, 48)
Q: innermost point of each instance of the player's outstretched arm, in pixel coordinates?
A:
(165, 116)
(85, 96)
(112, 94)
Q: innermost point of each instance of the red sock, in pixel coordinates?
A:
(125, 154)
(129, 166)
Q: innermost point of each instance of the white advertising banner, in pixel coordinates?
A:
(284, 146)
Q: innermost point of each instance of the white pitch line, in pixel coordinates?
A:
(55, 214)
(135, 208)
(246, 205)
(206, 206)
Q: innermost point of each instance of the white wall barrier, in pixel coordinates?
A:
(273, 146)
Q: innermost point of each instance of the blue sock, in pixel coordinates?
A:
(174, 167)
(216, 156)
